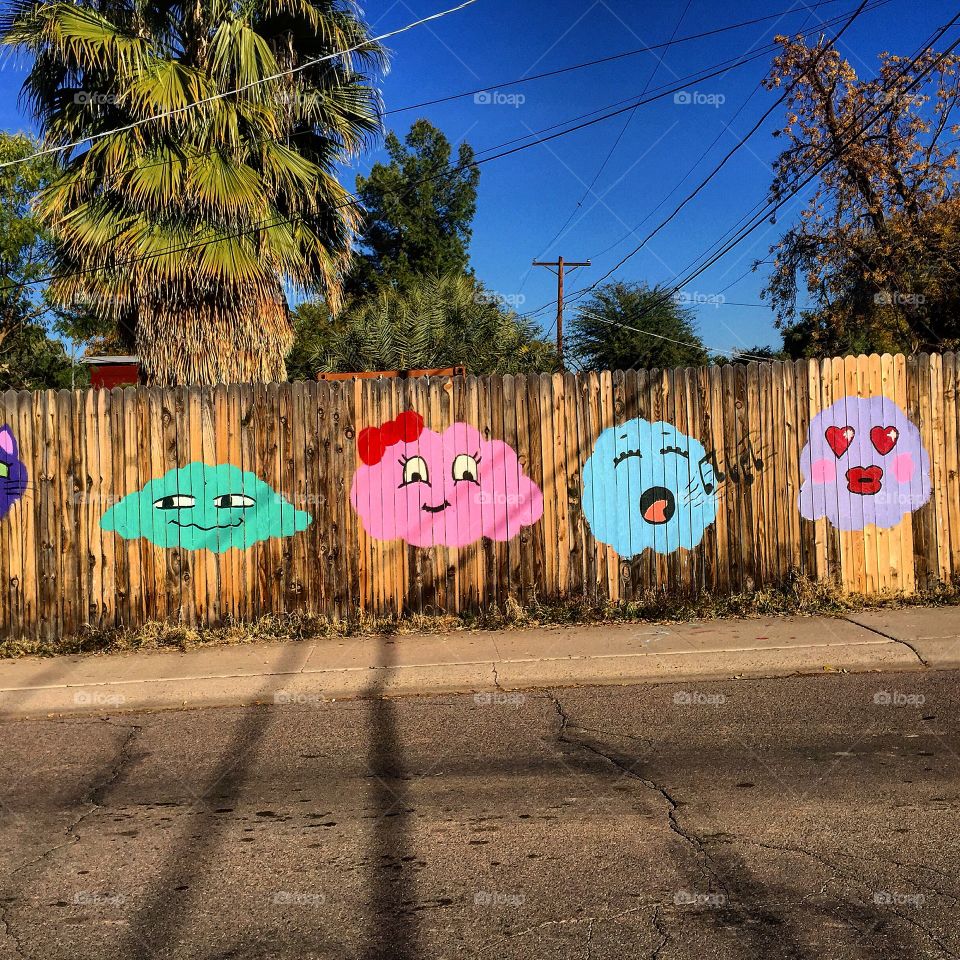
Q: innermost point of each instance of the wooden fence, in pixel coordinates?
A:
(118, 507)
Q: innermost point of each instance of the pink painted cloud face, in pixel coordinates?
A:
(440, 489)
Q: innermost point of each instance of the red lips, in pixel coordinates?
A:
(864, 480)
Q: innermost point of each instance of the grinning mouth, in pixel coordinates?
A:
(865, 480)
(657, 505)
(443, 506)
(216, 526)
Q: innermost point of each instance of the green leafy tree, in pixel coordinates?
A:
(418, 210)
(30, 359)
(875, 250)
(436, 322)
(627, 326)
(191, 223)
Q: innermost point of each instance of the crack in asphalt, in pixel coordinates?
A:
(93, 798)
(700, 845)
(703, 855)
(589, 943)
(838, 871)
(569, 921)
(888, 636)
(662, 930)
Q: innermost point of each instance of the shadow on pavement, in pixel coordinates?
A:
(156, 927)
(391, 916)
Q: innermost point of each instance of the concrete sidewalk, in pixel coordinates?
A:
(486, 662)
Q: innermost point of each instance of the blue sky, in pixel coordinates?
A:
(526, 198)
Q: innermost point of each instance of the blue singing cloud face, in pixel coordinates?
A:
(646, 485)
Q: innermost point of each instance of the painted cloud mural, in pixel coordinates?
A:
(440, 489)
(864, 463)
(648, 486)
(204, 507)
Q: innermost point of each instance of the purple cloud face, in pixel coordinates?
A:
(864, 463)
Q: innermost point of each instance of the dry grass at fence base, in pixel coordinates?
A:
(800, 596)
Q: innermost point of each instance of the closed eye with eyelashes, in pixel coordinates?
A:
(678, 450)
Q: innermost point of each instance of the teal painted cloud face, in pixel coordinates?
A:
(204, 507)
(647, 486)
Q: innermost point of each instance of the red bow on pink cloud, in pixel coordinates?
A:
(373, 441)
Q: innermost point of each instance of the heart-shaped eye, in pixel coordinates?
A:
(840, 439)
(884, 439)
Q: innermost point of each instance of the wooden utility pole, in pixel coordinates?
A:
(560, 266)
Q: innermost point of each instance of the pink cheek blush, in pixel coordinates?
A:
(903, 467)
(823, 471)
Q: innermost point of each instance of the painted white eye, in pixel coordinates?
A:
(176, 502)
(415, 471)
(465, 467)
(233, 501)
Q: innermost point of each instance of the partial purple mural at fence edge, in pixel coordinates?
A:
(13, 471)
(440, 489)
(864, 463)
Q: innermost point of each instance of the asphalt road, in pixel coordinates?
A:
(800, 818)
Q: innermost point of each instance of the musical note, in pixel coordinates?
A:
(719, 476)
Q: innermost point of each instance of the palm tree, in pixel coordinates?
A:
(626, 326)
(437, 321)
(196, 225)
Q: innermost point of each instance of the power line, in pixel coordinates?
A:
(620, 136)
(269, 223)
(737, 147)
(771, 207)
(864, 7)
(660, 336)
(704, 153)
(608, 59)
(281, 220)
(247, 86)
(722, 67)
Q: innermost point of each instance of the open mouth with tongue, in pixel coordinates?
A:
(657, 505)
